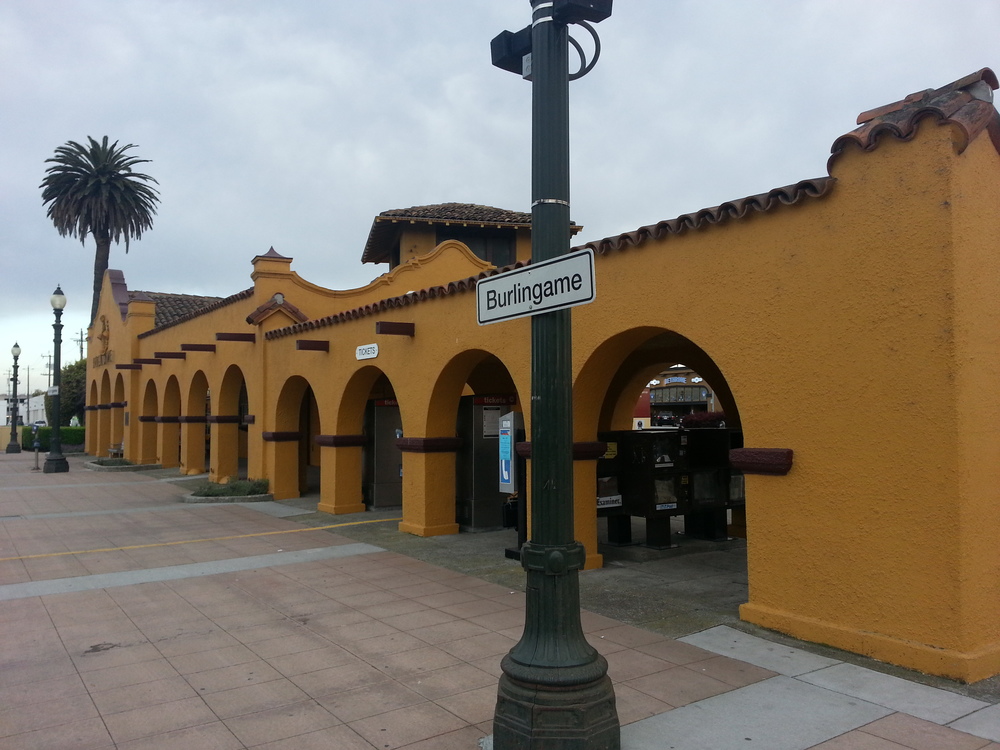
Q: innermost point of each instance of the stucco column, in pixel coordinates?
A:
(340, 476)
(91, 438)
(102, 419)
(585, 511)
(168, 442)
(192, 445)
(281, 457)
(117, 424)
(224, 458)
(147, 441)
(428, 486)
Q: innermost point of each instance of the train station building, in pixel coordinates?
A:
(846, 326)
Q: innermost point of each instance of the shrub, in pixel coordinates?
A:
(235, 487)
(112, 462)
(67, 436)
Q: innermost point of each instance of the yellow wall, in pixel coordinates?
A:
(875, 303)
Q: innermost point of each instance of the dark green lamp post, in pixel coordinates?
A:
(55, 462)
(13, 446)
(554, 692)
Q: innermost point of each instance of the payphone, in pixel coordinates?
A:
(479, 501)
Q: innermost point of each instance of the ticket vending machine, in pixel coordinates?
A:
(383, 461)
(478, 499)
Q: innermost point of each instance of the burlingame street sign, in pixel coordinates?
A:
(566, 281)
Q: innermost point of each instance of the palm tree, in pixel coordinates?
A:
(93, 190)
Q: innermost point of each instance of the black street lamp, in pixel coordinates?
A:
(12, 446)
(554, 691)
(55, 462)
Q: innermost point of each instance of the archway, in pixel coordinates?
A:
(147, 425)
(347, 453)
(228, 431)
(297, 466)
(118, 406)
(669, 479)
(194, 432)
(169, 420)
(470, 395)
(103, 421)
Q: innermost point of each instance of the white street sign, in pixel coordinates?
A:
(566, 281)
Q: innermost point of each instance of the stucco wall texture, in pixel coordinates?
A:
(875, 300)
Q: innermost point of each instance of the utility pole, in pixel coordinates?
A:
(27, 396)
(79, 340)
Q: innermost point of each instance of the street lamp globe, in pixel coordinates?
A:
(58, 299)
(15, 350)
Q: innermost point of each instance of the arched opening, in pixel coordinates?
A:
(665, 485)
(366, 468)
(475, 389)
(147, 425)
(170, 432)
(118, 406)
(195, 445)
(228, 428)
(103, 421)
(382, 481)
(297, 466)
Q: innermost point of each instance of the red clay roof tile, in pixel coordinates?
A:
(966, 103)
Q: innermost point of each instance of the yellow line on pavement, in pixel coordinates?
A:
(195, 541)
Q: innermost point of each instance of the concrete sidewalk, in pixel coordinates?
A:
(133, 620)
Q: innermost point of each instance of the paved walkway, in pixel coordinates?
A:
(132, 620)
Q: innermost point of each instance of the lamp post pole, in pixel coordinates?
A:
(12, 446)
(55, 462)
(554, 693)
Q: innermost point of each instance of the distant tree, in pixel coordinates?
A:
(72, 394)
(93, 190)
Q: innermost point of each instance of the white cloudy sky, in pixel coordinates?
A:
(292, 124)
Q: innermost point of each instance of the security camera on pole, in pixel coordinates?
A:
(554, 692)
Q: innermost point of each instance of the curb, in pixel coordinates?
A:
(268, 498)
(92, 466)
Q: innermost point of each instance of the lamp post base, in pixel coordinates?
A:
(55, 465)
(532, 717)
(13, 448)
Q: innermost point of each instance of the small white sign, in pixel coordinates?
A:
(53, 390)
(611, 501)
(565, 281)
(367, 351)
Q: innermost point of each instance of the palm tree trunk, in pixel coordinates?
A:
(101, 258)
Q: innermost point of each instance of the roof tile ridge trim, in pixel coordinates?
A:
(427, 294)
(198, 313)
(730, 210)
(957, 107)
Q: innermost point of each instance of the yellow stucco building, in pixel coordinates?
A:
(871, 507)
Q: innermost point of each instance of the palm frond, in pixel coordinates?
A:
(93, 190)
